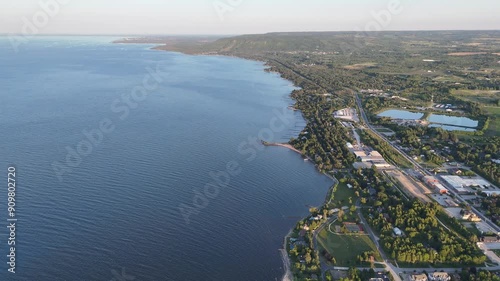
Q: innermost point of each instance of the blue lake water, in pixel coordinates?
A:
(401, 114)
(115, 214)
(450, 123)
(453, 121)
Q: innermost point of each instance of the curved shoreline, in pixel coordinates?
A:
(287, 275)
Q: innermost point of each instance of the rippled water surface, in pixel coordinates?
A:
(115, 214)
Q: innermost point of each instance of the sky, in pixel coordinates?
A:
(242, 16)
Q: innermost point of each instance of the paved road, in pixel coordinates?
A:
(488, 252)
(390, 267)
(370, 127)
(324, 266)
(420, 168)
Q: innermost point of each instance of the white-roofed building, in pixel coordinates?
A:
(397, 231)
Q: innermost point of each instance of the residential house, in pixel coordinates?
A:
(455, 171)
(439, 276)
(470, 216)
(419, 277)
(333, 211)
(316, 218)
(387, 217)
(397, 231)
(489, 239)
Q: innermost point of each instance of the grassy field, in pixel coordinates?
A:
(448, 78)
(494, 126)
(360, 66)
(384, 130)
(345, 248)
(479, 96)
(342, 195)
(489, 101)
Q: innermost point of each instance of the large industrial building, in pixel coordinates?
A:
(465, 184)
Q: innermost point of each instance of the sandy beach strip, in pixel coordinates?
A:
(286, 145)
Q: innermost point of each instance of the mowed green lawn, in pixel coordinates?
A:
(345, 248)
(342, 195)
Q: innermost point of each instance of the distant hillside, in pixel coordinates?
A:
(276, 42)
(331, 42)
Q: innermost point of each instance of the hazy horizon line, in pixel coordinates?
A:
(239, 34)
